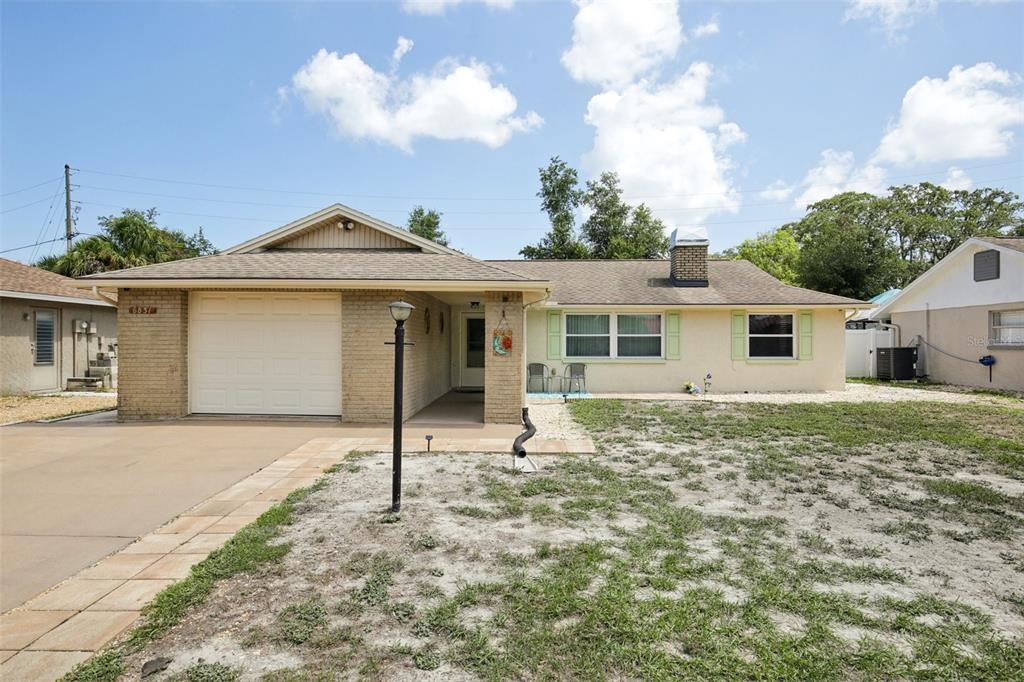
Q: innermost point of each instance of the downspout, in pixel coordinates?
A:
(899, 332)
(99, 294)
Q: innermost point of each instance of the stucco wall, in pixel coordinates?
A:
(16, 340)
(705, 347)
(951, 284)
(963, 331)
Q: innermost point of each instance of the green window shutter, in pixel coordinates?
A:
(672, 336)
(806, 334)
(739, 335)
(554, 335)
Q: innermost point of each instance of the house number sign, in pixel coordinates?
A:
(142, 310)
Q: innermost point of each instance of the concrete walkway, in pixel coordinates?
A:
(57, 630)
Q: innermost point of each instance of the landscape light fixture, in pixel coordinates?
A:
(400, 312)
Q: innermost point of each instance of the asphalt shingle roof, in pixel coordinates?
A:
(1015, 243)
(15, 276)
(354, 264)
(646, 282)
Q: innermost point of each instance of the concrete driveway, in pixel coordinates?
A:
(72, 492)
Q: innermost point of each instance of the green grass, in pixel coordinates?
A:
(251, 547)
(965, 491)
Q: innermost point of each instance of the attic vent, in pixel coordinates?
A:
(986, 265)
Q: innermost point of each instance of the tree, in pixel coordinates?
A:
(125, 241)
(777, 253)
(560, 197)
(427, 224)
(613, 229)
(844, 247)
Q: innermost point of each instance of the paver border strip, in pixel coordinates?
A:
(263, 490)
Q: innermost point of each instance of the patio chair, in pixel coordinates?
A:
(537, 370)
(575, 371)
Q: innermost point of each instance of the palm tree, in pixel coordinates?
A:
(126, 241)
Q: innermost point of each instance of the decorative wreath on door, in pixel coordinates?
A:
(501, 342)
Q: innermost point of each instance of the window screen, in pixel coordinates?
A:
(587, 336)
(1008, 328)
(770, 336)
(639, 336)
(44, 337)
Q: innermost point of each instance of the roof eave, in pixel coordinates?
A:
(53, 298)
(340, 284)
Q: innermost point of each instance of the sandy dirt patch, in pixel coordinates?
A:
(20, 408)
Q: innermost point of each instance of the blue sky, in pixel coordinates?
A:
(727, 116)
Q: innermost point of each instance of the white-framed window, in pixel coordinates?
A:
(771, 335)
(614, 335)
(638, 336)
(588, 335)
(1007, 328)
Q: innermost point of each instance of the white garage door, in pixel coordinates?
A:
(265, 353)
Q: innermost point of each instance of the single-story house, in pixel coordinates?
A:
(51, 329)
(296, 321)
(968, 306)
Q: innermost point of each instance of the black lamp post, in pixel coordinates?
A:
(400, 312)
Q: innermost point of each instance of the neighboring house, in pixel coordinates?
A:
(51, 329)
(296, 321)
(967, 306)
(868, 318)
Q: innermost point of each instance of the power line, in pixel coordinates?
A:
(18, 208)
(25, 189)
(465, 198)
(47, 220)
(29, 246)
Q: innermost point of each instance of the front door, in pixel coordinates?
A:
(472, 351)
(45, 350)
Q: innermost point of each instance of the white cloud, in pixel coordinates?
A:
(709, 28)
(668, 146)
(454, 102)
(967, 115)
(892, 16)
(780, 190)
(957, 178)
(402, 48)
(440, 6)
(836, 173)
(614, 42)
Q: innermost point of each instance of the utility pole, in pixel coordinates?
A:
(69, 228)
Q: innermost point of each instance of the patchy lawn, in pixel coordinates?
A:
(22, 408)
(704, 541)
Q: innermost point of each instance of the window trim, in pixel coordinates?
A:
(613, 336)
(794, 336)
(992, 327)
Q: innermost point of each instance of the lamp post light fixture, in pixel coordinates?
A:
(400, 312)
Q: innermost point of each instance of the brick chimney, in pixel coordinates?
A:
(688, 256)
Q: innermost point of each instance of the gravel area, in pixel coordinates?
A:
(24, 408)
(853, 393)
(553, 421)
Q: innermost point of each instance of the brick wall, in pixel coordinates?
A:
(153, 354)
(367, 364)
(690, 262)
(504, 390)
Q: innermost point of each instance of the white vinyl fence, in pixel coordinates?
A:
(860, 350)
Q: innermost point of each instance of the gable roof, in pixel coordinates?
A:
(1014, 245)
(18, 280)
(335, 212)
(646, 282)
